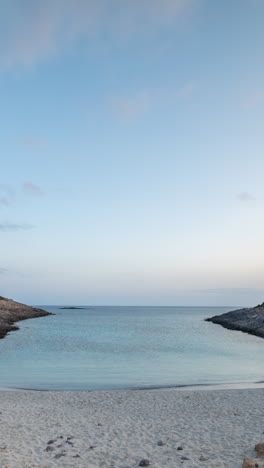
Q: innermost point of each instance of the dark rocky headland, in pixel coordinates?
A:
(249, 320)
(11, 312)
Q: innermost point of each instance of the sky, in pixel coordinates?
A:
(131, 150)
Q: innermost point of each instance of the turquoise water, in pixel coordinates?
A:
(128, 347)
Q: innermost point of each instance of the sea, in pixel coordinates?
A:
(102, 348)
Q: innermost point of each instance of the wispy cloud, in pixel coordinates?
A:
(6, 195)
(187, 90)
(4, 201)
(245, 197)
(131, 108)
(3, 271)
(32, 189)
(35, 29)
(34, 143)
(7, 227)
(254, 99)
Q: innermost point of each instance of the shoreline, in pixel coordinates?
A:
(12, 312)
(169, 428)
(183, 387)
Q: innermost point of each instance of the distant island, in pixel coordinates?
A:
(248, 320)
(11, 312)
(73, 307)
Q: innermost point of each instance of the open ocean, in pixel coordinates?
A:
(128, 347)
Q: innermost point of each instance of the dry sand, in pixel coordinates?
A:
(120, 428)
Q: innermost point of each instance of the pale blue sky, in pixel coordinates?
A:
(131, 142)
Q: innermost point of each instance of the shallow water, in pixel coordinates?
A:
(128, 347)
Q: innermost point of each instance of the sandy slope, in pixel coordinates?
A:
(119, 428)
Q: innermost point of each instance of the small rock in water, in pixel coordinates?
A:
(185, 458)
(59, 455)
(202, 458)
(50, 442)
(76, 456)
(250, 463)
(144, 462)
(180, 447)
(160, 443)
(92, 447)
(260, 449)
(49, 449)
(69, 442)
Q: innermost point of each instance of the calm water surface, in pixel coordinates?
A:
(124, 347)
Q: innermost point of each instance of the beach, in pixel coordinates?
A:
(123, 428)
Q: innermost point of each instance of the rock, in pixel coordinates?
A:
(69, 442)
(250, 320)
(185, 458)
(49, 449)
(51, 442)
(202, 458)
(11, 311)
(160, 443)
(257, 462)
(250, 463)
(180, 447)
(76, 456)
(260, 450)
(59, 455)
(144, 462)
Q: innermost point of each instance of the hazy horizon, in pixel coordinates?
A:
(132, 152)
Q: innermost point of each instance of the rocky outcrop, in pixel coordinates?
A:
(257, 462)
(249, 320)
(11, 312)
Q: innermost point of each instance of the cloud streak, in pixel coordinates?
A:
(187, 90)
(10, 227)
(255, 99)
(6, 195)
(32, 189)
(245, 197)
(35, 30)
(34, 143)
(130, 108)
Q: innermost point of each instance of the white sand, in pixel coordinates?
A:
(124, 426)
